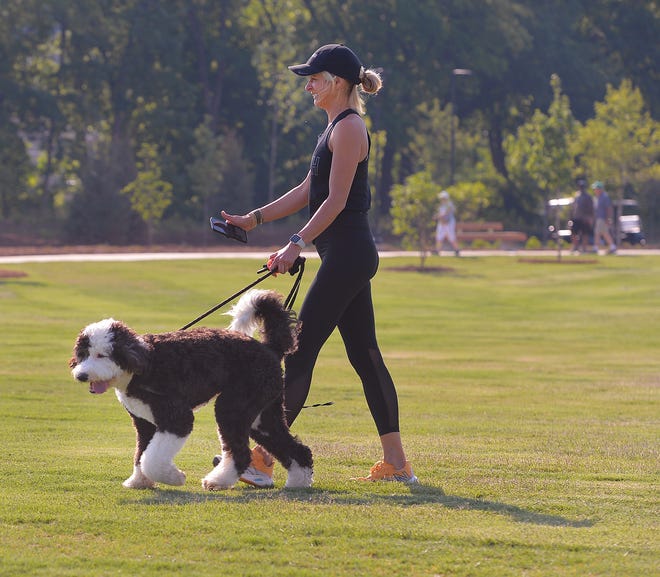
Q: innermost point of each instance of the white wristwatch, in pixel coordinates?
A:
(297, 239)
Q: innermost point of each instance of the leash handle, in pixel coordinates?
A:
(298, 267)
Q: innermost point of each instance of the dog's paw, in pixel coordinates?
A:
(223, 476)
(173, 476)
(144, 483)
(215, 485)
(138, 480)
(299, 477)
(167, 475)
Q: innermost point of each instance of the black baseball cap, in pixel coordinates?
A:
(336, 59)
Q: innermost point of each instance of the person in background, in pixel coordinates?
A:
(336, 192)
(604, 213)
(583, 218)
(445, 228)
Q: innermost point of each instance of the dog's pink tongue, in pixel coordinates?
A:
(98, 387)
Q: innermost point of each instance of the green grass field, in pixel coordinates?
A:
(529, 407)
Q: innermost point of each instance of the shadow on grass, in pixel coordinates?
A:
(431, 270)
(418, 494)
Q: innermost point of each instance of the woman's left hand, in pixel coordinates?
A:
(245, 221)
(282, 260)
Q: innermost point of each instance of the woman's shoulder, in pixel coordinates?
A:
(351, 123)
(348, 117)
(348, 132)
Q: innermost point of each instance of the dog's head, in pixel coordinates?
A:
(108, 354)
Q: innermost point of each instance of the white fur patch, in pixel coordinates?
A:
(100, 333)
(136, 407)
(157, 461)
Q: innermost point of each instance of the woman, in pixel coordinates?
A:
(446, 223)
(337, 192)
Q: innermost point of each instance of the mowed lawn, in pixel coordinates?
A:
(529, 408)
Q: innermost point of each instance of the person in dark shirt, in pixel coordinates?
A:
(336, 192)
(582, 229)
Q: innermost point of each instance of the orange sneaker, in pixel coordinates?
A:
(258, 474)
(383, 471)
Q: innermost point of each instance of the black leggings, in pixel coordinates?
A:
(340, 296)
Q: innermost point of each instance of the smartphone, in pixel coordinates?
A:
(228, 230)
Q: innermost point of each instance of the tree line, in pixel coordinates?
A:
(125, 120)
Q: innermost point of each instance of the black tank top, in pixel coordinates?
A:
(359, 197)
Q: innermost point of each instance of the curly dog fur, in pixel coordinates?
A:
(162, 378)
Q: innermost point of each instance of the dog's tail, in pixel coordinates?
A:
(263, 310)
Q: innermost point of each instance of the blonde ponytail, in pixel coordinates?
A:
(370, 83)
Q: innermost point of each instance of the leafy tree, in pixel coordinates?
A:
(414, 205)
(378, 143)
(499, 84)
(625, 35)
(86, 82)
(430, 139)
(220, 176)
(473, 199)
(14, 169)
(97, 213)
(21, 33)
(205, 171)
(149, 195)
(475, 193)
(539, 160)
(274, 24)
(621, 144)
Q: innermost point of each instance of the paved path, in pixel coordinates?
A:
(261, 255)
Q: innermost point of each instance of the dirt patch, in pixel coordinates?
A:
(12, 273)
(558, 261)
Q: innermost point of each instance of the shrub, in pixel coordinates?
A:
(533, 243)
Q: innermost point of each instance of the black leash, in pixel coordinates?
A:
(298, 267)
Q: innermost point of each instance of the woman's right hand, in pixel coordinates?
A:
(245, 221)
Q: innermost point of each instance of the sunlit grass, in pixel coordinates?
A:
(529, 408)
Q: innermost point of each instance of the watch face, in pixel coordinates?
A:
(297, 239)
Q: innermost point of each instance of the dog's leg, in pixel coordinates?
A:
(144, 433)
(223, 475)
(223, 466)
(157, 461)
(218, 458)
(234, 436)
(227, 472)
(272, 433)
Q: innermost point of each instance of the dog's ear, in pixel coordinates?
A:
(130, 351)
(80, 350)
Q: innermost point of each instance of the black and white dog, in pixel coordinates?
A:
(162, 378)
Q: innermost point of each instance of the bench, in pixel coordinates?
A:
(468, 232)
